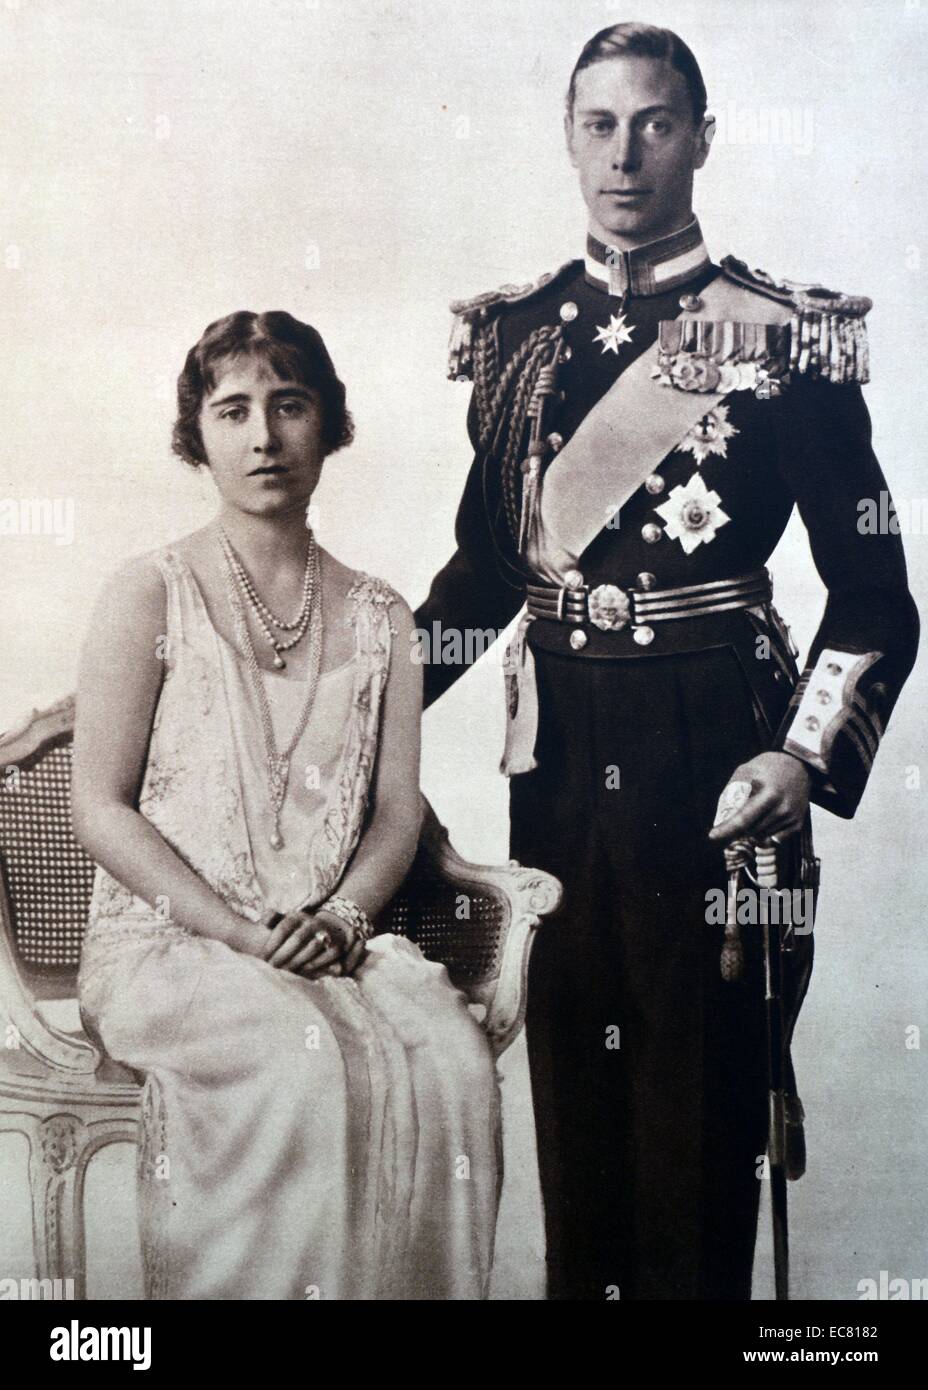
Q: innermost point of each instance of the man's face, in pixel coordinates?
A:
(634, 141)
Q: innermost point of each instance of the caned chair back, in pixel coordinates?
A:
(55, 1086)
(461, 923)
(474, 919)
(46, 876)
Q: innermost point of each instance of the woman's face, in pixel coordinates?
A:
(263, 437)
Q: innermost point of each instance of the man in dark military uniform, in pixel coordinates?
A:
(644, 422)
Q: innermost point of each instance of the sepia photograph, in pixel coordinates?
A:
(462, 540)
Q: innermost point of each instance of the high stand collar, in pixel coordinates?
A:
(655, 268)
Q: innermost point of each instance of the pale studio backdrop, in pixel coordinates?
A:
(361, 164)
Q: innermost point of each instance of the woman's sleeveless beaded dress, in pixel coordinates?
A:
(334, 1138)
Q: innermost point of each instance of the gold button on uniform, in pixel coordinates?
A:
(573, 579)
(578, 639)
(654, 483)
(651, 532)
(569, 311)
(646, 581)
(555, 441)
(690, 303)
(643, 635)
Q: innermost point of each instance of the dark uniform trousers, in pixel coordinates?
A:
(648, 1069)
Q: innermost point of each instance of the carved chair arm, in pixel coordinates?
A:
(526, 895)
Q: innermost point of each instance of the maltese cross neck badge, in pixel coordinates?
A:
(614, 333)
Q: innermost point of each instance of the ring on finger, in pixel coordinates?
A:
(323, 938)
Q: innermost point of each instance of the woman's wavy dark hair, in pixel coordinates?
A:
(293, 350)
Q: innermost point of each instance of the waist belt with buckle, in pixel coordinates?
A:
(612, 609)
(609, 609)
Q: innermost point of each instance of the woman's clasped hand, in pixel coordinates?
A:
(310, 944)
(246, 750)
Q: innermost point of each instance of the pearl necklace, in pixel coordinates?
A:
(278, 764)
(264, 616)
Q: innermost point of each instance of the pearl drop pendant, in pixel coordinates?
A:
(279, 662)
(277, 840)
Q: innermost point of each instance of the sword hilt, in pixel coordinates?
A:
(738, 857)
(765, 859)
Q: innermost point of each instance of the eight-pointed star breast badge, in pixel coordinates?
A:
(710, 435)
(693, 514)
(614, 333)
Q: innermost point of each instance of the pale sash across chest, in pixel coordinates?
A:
(626, 436)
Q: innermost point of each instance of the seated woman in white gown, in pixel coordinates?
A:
(321, 1113)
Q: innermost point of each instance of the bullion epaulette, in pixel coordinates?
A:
(470, 314)
(828, 337)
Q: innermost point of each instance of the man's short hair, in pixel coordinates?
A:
(643, 41)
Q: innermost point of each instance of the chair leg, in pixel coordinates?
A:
(57, 1162)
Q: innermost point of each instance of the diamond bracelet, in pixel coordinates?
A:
(351, 913)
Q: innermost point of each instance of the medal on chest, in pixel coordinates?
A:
(707, 356)
(692, 514)
(710, 435)
(613, 334)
